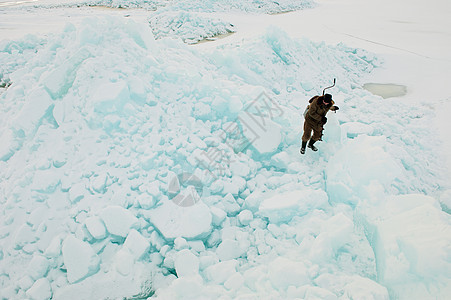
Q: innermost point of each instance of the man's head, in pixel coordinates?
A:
(327, 99)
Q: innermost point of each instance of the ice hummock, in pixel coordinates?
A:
(261, 6)
(188, 26)
(96, 129)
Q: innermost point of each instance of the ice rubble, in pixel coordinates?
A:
(188, 26)
(250, 6)
(94, 131)
(190, 6)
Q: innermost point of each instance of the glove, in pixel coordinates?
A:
(324, 120)
(334, 108)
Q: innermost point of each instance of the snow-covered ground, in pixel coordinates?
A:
(134, 165)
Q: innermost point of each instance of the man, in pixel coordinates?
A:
(315, 118)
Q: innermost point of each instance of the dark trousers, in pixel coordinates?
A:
(308, 128)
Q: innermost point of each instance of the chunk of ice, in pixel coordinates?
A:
(220, 272)
(96, 227)
(359, 163)
(245, 217)
(234, 282)
(218, 215)
(186, 263)
(38, 267)
(77, 192)
(284, 272)
(29, 118)
(335, 233)
(261, 132)
(174, 221)
(136, 244)
(124, 262)
(284, 206)
(41, 290)
(229, 249)
(407, 251)
(118, 220)
(354, 129)
(61, 78)
(111, 97)
(79, 258)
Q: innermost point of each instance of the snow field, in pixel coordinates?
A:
(101, 118)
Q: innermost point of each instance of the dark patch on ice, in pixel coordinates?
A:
(213, 38)
(5, 84)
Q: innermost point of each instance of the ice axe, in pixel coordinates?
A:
(329, 87)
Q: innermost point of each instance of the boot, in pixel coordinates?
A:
(310, 145)
(303, 147)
